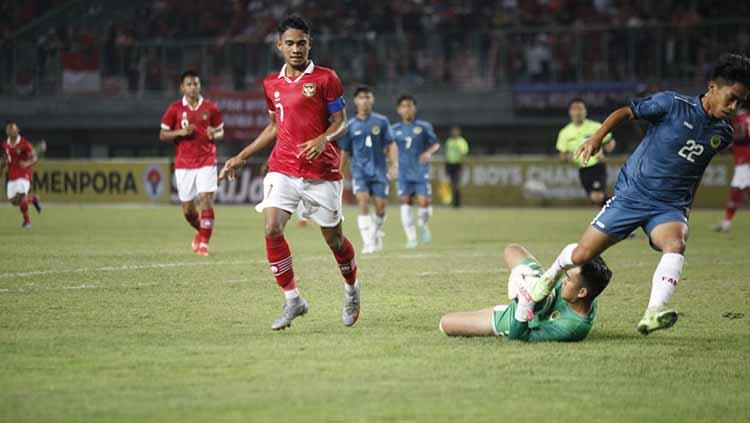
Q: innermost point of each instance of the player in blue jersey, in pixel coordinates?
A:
(365, 145)
(657, 185)
(417, 143)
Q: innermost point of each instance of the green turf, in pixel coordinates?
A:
(106, 315)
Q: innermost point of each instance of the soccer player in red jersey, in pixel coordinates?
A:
(194, 125)
(18, 156)
(307, 115)
(741, 179)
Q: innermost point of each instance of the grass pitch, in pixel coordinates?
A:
(106, 315)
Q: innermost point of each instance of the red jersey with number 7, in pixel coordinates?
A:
(16, 152)
(195, 150)
(741, 146)
(302, 107)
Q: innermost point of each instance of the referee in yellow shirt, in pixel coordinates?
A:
(594, 174)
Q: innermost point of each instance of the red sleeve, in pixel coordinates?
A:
(216, 119)
(333, 89)
(169, 120)
(269, 102)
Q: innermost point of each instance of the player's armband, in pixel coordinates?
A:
(336, 105)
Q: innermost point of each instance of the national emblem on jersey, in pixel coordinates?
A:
(715, 142)
(376, 130)
(417, 130)
(308, 89)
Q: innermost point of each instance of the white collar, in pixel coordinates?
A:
(18, 139)
(186, 104)
(309, 69)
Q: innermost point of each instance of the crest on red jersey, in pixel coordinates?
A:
(308, 89)
(204, 115)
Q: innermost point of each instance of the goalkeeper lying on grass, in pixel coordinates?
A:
(566, 315)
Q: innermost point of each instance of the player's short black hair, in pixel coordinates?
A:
(362, 89)
(405, 97)
(732, 68)
(188, 74)
(295, 22)
(595, 275)
(10, 122)
(576, 100)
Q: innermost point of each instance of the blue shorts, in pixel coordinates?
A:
(619, 217)
(374, 187)
(422, 189)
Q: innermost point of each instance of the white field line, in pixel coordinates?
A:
(131, 267)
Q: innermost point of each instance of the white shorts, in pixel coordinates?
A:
(741, 178)
(18, 186)
(191, 182)
(319, 200)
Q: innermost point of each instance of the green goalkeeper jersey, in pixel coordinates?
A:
(554, 322)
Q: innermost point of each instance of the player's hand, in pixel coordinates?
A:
(187, 131)
(588, 149)
(425, 157)
(313, 148)
(229, 170)
(24, 163)
(393, 173)
(211, 132)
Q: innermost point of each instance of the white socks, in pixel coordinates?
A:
(563, 262)
(351, 288)
(424, 214)
(366, 228)
(407, 221)
(291, 294)
(665, 279)
(379, 222)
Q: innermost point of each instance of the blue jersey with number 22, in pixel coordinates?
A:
(678, 146)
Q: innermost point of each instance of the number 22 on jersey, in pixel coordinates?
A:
(691, 151)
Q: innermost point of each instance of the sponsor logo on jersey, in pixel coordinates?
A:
(418, 130)
(686, 123)
(308, 89)
(376, 130)
(715, 141)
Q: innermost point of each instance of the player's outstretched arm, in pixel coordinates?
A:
(592, 145)
(263, 140)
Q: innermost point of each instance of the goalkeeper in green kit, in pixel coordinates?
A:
(566, 315)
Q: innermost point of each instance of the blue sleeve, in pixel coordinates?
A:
(652, 108)
(345, 142)
(387, 132)
(431, 137)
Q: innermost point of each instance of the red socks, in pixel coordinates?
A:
(192, 219)
(24, 206)
(280, 259)
(735, 199)
(206, 225)
(345, 259)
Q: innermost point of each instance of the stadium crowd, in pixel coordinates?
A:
(470, 44)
